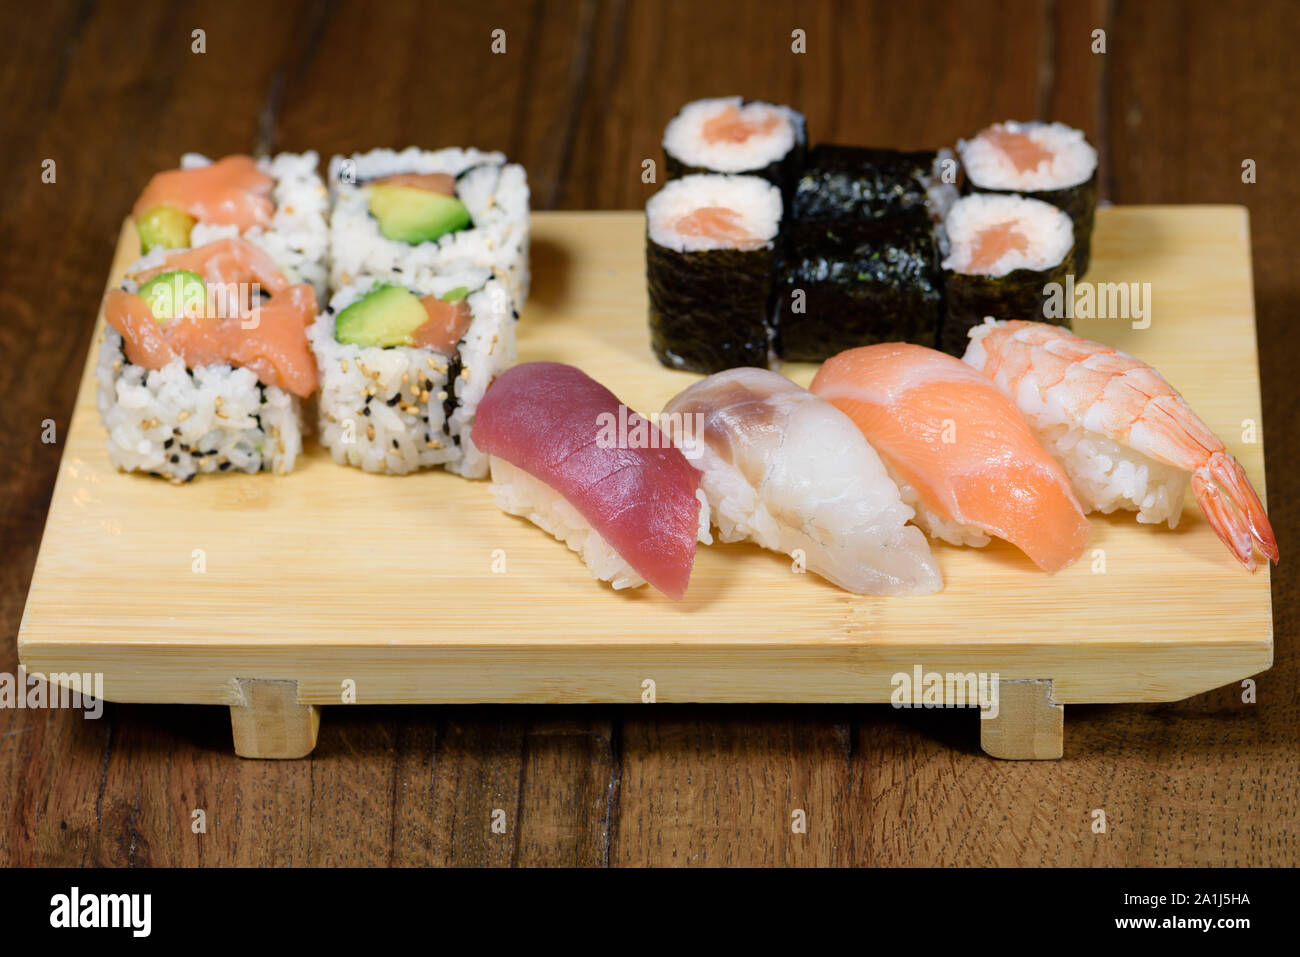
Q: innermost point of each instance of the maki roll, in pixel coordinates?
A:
(403, 366)
(841, 182)
(204, 363)
(853, 282)
(710, 245)
(1003, 250)
(417, 214)
(733, 135)
(1048, 161)
(278, 203)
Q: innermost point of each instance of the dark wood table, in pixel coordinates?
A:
(112, 92)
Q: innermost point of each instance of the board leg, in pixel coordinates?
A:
(1029, 726)
(271, 723)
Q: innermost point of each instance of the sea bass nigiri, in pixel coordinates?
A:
(632, 509)
(961, 452)
(791, 472)
(1124, 435)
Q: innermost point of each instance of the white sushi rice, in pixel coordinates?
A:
(1073, 159)
(520, 493)
(495, 193)
(1049, 231)
(684, 138)
(395, 430)
(755, 201)
(1106, 476)
(298, 237)
(176, 422)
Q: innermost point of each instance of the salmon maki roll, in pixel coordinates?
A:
(404, 365)
(1003, 251)
(575, 461)
(710, 247)
(204, 362)
(730, 134)
(277, 203)
(415, 214)
(962, 454)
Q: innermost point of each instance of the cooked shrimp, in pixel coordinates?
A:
(1063, 382)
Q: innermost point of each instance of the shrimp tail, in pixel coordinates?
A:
(1238, 517)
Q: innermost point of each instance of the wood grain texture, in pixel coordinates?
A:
(1185, 91)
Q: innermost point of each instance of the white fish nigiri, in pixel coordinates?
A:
(789, 471)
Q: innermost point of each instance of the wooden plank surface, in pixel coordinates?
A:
(1185, 91)
(1146, 615)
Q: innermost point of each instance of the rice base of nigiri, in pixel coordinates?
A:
(519, 493)
(1106, 476)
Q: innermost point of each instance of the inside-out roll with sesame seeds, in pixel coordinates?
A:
(403, 366)
(414, 214)
(204, 364)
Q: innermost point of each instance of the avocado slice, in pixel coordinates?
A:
(412, 215)
(455, 295)
(173, 294)
(165, 226)
(385, 316)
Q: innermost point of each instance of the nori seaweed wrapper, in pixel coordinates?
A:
(850, 181)
(864, 281)
(782, 172)
(1017, 295)
(1078, 202)
(708, 309)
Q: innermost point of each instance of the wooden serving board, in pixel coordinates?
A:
(418, 589)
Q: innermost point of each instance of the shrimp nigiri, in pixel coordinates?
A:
(792, 473)
(1125, 436)
(960, 451)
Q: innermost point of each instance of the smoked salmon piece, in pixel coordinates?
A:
(960, 448)
(230, 192)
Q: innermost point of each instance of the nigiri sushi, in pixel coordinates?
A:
(631, 508)
(791, 472)
(1124, 435)
(961, 452)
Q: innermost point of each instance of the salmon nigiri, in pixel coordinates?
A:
(573, 460)
(962, 454)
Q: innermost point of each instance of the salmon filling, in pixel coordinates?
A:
(731, 126)
(716, 222)
(1020, 148)
(229, 192)
(442, 183)
(447, 324)
(270, 337)
(994, 242)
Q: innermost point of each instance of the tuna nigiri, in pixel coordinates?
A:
(961, 452)
(625, 499)
(791, 472)
(1124, 435)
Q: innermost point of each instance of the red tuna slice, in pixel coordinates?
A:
(546, 418)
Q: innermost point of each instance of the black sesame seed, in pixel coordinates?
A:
(168, 444)
(366, 410)
(395, 445)
(224, 466)
(175, 459)
(329, 310)
(394, 400)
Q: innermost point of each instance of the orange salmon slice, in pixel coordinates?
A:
(1024, 152)
(731, 126)
(993, 242)
(230, 192)
(716, 222)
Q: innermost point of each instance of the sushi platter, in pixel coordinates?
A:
(275, 595)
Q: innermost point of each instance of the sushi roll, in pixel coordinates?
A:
(962, 454)
(792, 473)
(417, 213)
(1048, 161)
(1126, 437)
(733, 135)
(204, 363)
(1002, 251)
(278, 203)
(710, 246)
(854, 282)
(404, 365)
(624, 498)
(850, 182)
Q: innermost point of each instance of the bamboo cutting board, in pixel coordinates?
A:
(418, 589)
